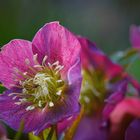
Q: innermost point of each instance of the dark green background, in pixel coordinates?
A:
(104, 21)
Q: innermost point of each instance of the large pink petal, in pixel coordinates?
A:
(12, 57)
(57, 43)
(91, 55)
(135, 36)
(38, 119)
(90, 128)
(13, 114)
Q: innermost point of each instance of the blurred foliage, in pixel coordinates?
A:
(130, 60)
(125, 58)
(2, 89)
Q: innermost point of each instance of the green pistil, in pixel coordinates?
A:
(42, 85)
(45, 88)
(93, 90)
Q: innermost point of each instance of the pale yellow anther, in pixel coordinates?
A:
(59, 92)
(59, 81)
(51, 104)
(17, 103)
(39, 103)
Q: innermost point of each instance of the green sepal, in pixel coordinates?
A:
(2, 88)
(47, 134)
(20, 131)
(69, 134)
(125, 58)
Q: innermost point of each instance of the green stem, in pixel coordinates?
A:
(19, 133)
(56, 132)
(41, 136)
(50, 135)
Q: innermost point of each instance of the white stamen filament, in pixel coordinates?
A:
(59, 92)
(23, 100)
(59, 81)
(17, 103)
(37, 66)
(12, 94)
(12, 85)
(30, 108)
(58, 67)
(14, 97)
(35, 58)
(44, 60)
(49, 64)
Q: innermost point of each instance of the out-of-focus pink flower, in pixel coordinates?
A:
(127, 111)
(43, 78)
(135, 36)
(100, 77)
(120, 110)
(91, 56)
(105, 85)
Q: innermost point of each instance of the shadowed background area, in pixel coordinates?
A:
(104, 21)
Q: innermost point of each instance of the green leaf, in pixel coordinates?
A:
(2, 88)
(47, 134)
(19, 133)
(125, 58)
(33, 137)
(134, 69)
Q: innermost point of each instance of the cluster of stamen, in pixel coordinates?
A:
(41, 87)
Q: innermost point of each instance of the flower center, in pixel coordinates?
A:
(44, 88)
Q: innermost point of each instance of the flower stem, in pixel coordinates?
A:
(52, 132)
(41, 136)
(56, 132)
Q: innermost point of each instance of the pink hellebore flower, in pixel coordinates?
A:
(135, 36)
(43, 78)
